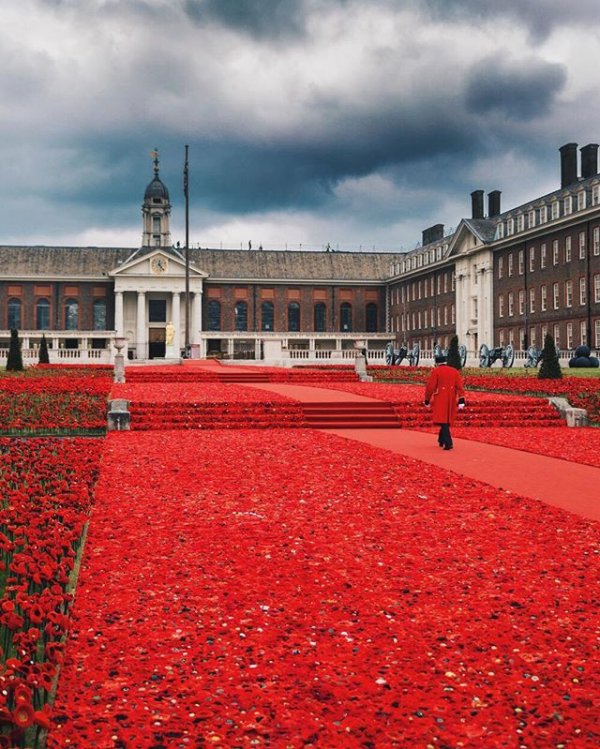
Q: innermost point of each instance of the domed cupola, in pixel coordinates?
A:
(156, 211)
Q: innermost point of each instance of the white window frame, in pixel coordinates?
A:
(568, 293)
(582, 291)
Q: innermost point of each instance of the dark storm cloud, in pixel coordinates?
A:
(521, 93)
(538, 18)
(266, 18)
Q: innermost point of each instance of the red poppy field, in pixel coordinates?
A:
(284, 587)
(360, 600)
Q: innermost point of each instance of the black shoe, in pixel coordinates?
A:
(447, 447)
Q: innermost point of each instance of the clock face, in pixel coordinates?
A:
(159, 264)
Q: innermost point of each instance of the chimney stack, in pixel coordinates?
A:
(568, 164)
(494, 203)
(433, 234)
(477, 204)
(589, 160)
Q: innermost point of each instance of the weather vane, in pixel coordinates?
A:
(154, 155)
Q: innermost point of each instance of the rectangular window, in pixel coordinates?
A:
(583, 291)
(445, 283)
(543, 258)
(569, 335)
(567, 206)
(556, 335)
(544, 298)
(531, 219)
(595, 195)
(555, 209)
(531, 259)
(520, 222)
(521, 301)
(500, 267)
(543, 214)
(452, 281)
(439, 284)
(581, 200)
(511, 304)
(501, 335)
(583, 333)
(596, 240)
(445, 315)
(501, 305)
(597, 287)
(555, 296)
(596, 333)
(544, 333)
(521, 262)
(510, 227)
(533, 336)
(532, 300)
(568, 253)
(555, 252)
(582, 245)
(569, 293)
(452, 314)
(510, 264)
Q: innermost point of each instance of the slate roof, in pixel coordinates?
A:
(242, 265)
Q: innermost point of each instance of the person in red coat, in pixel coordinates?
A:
(444, 390)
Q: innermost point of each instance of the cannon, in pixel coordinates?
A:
(536, 355)
(462, 352)
(393, 356)
(487, 355)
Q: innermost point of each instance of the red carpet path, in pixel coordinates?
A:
(550, 480)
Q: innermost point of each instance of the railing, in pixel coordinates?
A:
(31, 356)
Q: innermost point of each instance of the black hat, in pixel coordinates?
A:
(441, 359)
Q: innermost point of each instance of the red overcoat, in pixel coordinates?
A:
(444, 388)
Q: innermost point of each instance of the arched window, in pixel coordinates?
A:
(99, 311)
(371, 317)
(346, 317)
(14, 314)
(241, 315)
(293, 317)
(71, 314)
(267, 314)
(42, 314)
(214, 315)
(320, 317)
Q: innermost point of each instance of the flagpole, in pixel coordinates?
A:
(186, 192)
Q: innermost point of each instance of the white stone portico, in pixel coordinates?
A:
(474, 289)
(150, 292)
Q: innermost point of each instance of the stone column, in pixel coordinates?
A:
(140, 326)
(196, 322)
(176, 320)
(119, 313)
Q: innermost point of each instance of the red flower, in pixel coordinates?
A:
(23, 715)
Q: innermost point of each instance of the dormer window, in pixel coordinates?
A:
(581, 200)
(595, 194)
(500, 230)
(510, 227)
(555, 209)
(567, 206)
(531, 219)
(520, 222)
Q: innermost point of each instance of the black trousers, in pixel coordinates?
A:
(444, 437)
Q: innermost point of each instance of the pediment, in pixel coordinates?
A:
(156, 263)
(471, 235)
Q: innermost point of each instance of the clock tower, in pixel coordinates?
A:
(156, 212)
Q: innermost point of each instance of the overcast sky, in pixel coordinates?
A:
(349, 122)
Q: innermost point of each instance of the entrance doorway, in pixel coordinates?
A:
(157, 343)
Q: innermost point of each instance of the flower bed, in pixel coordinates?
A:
(53, 404)
(360, 599)
(193, 392)
(45, 496)
(582, 392)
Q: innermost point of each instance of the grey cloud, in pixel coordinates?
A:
(521, 93)
(266, 18)
(540, 17)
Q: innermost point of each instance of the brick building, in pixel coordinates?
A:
(502, 277)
